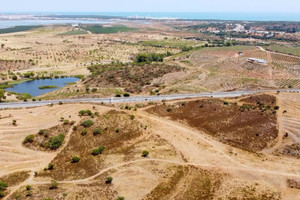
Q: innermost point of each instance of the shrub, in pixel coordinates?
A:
(87, 123)
(60, 103)
(1, 194)
(118, 95)
(74, 128)
(85, 112)
(169, 109)
(126, 95)
(94, 90)
(148, 58)
(97, 131)
(50, 166)
(55, 142)
(108, 180)
(28, 194)
(226, 103)
(117, 130)
(120, 198)
(276, 107)
(14, 122)
(84, 132)
(3, 185)
(41, 132)
(29, 139)
(132, 117)
(53, 185)
(28, 187)
(145, 153)
(75, 159)
(98, 151)
(66, 122)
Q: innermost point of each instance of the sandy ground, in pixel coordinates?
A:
(196, 148)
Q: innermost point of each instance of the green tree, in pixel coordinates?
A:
(108, 180)
(29, 139)
(87, 123)
(75, 159)
(145, 154)
(142, 57)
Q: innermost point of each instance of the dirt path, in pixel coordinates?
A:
(30, 180)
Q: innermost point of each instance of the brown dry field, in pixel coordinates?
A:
(184, 162)
(249, 126)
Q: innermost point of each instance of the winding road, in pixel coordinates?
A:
(139, 98)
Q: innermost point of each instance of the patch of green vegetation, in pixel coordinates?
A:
(17, 29)
(79, 76)
(3, 186)
(2, 92)
(145, 153)
(47, 87)
(98, 29)
(85, 113)
(74, 32)
(9, 84)
(75, 159)
(87, 123)
(24, 96)
(98, 151)
(285, 49)
(152, 57)
(29, 139)
(55, 142)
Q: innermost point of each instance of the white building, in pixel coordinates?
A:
(257, 60)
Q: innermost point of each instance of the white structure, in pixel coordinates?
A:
(257, 60)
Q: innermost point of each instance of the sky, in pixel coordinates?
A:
(150, 6)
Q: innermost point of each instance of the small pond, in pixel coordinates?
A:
(32, 87)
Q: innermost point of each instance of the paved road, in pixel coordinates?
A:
(138, 98)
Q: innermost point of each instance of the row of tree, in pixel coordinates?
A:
(151, 57)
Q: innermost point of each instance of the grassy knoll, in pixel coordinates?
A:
(96, 29)
(17, 29)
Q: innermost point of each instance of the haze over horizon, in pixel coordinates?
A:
(278, 6)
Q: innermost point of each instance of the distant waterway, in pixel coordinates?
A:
(23, 22)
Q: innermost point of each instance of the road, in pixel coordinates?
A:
(138, 98)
